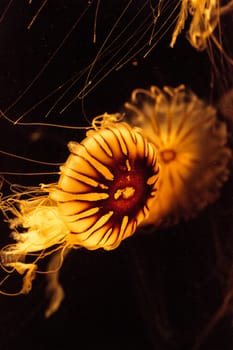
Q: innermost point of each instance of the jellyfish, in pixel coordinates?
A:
(164, 159)
(105, 190)
(34, 214)
(205, 17)
(192, 150)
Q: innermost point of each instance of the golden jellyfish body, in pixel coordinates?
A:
(107, 186)
(192, 150)
(106, 189)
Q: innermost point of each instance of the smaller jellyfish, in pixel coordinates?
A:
(205, 16)
(105, 190)
(192, 150)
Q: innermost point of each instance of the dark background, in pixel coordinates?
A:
(157, 290)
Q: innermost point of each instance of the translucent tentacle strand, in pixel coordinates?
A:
(105, 190)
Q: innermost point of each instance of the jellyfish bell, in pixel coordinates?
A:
(106, 186)
(105, 190)
(192, 150)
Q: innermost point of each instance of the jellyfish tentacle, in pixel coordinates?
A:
(105, 190)
(115, 177)
(205, 17)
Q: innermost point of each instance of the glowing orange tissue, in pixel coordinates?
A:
(105, 190)
(192, 150)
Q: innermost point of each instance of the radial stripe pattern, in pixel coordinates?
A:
(107, 186)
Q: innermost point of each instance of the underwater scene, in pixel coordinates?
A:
(116, 156)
